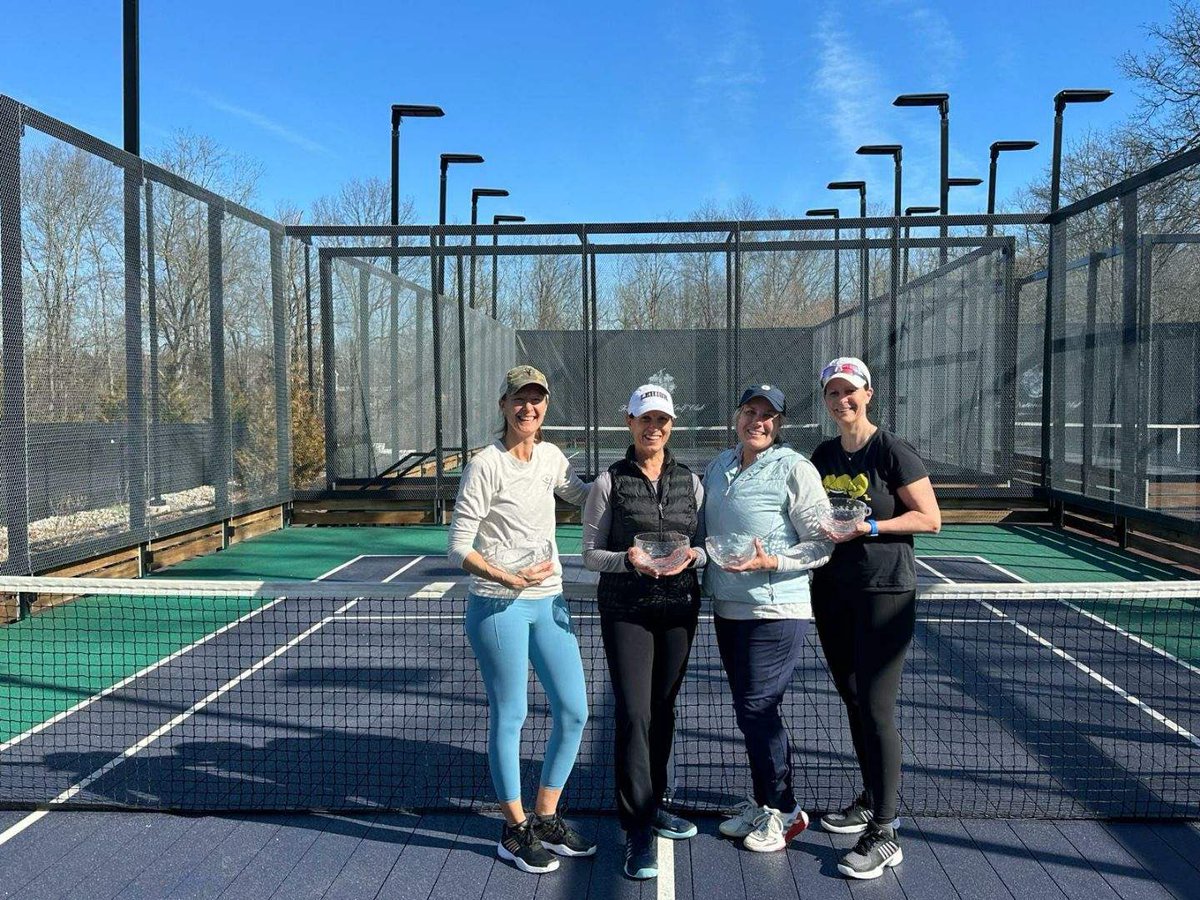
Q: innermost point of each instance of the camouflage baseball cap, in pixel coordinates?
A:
(521, 376)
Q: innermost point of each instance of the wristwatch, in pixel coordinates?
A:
(874, 528)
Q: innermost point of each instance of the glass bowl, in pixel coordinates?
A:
(517, 556)
(845, 515)
(730, 549)
(662, 550)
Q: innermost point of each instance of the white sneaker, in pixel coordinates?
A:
(745, 816)
(773, 829)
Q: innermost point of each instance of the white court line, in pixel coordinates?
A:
(1096, 676)
(666, 869)
(1000, 569)
(337, 569)
(403, 568)
(83, 704)
(936, 573)
(151, 738)
(18, 827)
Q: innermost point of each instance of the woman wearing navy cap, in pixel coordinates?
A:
(864, 601)
(760, 487)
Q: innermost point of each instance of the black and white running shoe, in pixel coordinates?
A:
(875, 851)
(854, 819)
(520, 846)
(559, 837)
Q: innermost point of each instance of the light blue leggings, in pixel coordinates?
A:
(506, 636)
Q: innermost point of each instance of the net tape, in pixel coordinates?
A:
(1055, 701)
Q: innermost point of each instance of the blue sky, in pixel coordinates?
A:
(614, 111)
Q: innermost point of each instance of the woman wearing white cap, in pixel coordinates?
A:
(761, 606)
(647, 616)
(864, 601)
(506, 501)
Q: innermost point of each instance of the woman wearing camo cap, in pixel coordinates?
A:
(506, 500)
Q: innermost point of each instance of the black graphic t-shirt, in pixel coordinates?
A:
(871, 474)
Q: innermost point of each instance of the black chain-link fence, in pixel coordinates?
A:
(172, 358)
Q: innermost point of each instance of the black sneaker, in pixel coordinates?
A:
(641, 854)
(854, 819)
(875, 851)
(520, 846)
(559, 837)
(673, 827)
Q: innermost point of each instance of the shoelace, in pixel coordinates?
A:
(524, 834)
(763, 819)
(555, 827)
(745, 807)
(869, 841)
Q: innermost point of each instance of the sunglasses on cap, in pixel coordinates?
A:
(832, 371)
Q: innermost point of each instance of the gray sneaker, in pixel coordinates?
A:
(875, 851)
(854, 819)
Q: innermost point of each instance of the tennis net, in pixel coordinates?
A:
(1058, 701)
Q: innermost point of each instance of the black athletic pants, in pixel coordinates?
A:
(647, 653)
(865, 637)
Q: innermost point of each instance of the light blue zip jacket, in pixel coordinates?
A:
(778, 498)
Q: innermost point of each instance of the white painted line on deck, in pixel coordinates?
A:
(666, 869)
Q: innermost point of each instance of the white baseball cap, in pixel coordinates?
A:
(651, 397)
(851, 368)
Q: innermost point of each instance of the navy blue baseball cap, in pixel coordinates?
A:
(768, 392)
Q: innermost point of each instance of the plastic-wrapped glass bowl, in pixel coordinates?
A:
(517, 556)
(662, 550)
(730, 549)
(845, 515)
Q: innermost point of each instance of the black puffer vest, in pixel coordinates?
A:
(636, 507)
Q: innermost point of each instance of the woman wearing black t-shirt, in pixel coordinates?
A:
(864, 601)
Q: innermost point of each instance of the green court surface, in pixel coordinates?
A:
(1036, 554)
(88, 645)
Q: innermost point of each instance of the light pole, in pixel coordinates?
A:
(447, 160)
(1061, 100)
(942, 102)
(896, 152)
(476, 193)
(496, 220)
(864, 287)
(996, 149)
(399, 112)
(837, 254)
(912, 211)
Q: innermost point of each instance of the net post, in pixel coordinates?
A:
(13, 426)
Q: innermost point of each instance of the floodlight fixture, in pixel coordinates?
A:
(996, 149)
(863, 263)
(476, 193)
(447, 160)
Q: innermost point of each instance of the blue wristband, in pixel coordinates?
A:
(874, 528)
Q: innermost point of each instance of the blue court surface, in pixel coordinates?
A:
(1040, 711)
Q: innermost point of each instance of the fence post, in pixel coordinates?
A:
(216, 333)
(135, 441)
(13, 431)
(283, 408)
(328, 370)
(439, 470)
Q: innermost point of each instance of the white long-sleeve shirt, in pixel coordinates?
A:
(503, 500)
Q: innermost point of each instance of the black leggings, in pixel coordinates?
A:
(647, 657)
(865, 637)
